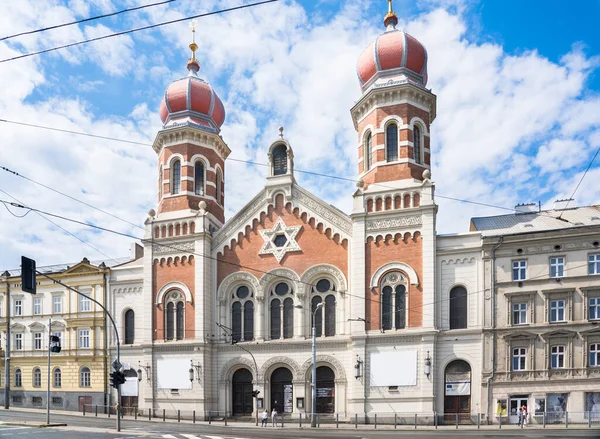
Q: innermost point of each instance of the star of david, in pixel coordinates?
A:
(280, 240)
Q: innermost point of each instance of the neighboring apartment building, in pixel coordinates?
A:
(547, 309)
(78, 373)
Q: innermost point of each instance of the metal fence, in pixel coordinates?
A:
(590, 419)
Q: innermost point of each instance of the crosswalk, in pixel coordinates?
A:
(156, 435)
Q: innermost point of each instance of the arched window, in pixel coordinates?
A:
(368, 152)
(179, 320)
(57, 377)
(170, 324)
(321, 293)
(417, 143)
(393, 301)
(85, 377)
(175, 177)
(391, 142)
(280, 160)
(282, 311)
(458, 308)
(242, 314)
(219, 187)
(37, 377)
(129, 326)
(18, 378)
(199, 178)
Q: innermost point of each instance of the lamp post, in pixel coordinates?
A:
(313, 419)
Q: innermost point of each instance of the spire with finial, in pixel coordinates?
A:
(281, 132)
(391, 19)
(193, 65)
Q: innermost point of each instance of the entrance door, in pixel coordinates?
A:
(325, 390)
(282, 398)
(457, 392)
(87, 401)
(242, 392)
(515, 403)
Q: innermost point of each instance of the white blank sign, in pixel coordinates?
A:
(394, 368)
(173, 374)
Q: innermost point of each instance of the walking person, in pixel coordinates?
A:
(520, 417)
(265, 418)
(524, 411)
(274, 418)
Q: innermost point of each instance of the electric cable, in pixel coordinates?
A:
(151, 26)
(580, 181)
(97, 17)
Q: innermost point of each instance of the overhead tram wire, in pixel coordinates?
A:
(84, 20)
(248, 162)
(130, 31)
(208, 257)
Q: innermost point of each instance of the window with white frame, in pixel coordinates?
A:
(37, 305)
(595, 355)
(557, 267)
(57, 304)
(57, 377)
(519, 358)
(84, 338)
(557, 357)
(519, 270)
(594, 264)
(1, 306)
(85, 304)
(18, 378)
(37, 377)
(18, 307)
(37, 341)
(18, 342)
(557, 310)
(519, 313)
(594, 308)
(85, 377)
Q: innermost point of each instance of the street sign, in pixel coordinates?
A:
(28, 275)
(116, 365)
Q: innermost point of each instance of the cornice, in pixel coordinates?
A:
(186, 134)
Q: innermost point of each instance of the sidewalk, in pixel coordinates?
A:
(292, 425)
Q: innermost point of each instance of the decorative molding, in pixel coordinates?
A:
(276, 274)
(269, 236)
(322, 212)
(231, 366)
(180, 247)
(239, 277)
(311, 274)
(280, 360)
(394, 223)
(173, 286)
(401, 266)
(340, 373)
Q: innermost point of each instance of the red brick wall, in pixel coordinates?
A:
(317, 248)
(409, 251)
(174, 270)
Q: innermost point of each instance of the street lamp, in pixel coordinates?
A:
(427, 365)
(198, 368)
(358, 368)
(139, 371)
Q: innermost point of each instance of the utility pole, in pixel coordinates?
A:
(6, 276)
(48, 391)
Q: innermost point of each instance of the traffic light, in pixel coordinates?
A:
(113, 381)
(55, 344)
(28, 275)
(255, 393)
(121, 377)
(116, 379)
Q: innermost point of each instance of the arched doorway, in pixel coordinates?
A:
(457, 393)
(325, 390)
(242, 392)
(282, 397)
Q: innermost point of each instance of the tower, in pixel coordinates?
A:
(393, 239)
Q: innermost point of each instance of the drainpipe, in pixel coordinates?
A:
(493, 292)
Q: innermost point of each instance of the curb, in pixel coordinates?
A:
(32, 424)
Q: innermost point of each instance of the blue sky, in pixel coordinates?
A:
(518, 103)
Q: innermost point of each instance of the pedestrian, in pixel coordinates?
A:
(524, 411)
(265, 418)
(520, 417)
(274, 418)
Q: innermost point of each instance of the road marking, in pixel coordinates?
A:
(190, 436)
(169, 436)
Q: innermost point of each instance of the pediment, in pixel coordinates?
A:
(523, 335)
(36, 326)
(17, 327)
(559, 333)
(58, 325)
(590, 332)
(84, 267)
(306, 205)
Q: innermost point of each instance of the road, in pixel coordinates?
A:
(96, 428)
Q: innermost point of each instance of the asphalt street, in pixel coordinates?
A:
(92, 428)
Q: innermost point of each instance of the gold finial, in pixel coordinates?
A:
(390, 11)
(281, 132)
(193, 46)
(391, 19)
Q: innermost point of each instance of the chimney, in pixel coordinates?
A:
(137, 251)
(562, 204)
(526, 208)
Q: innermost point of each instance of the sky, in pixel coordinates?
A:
(517, 85)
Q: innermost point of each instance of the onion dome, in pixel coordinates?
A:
(394, 56)
(192, 101)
